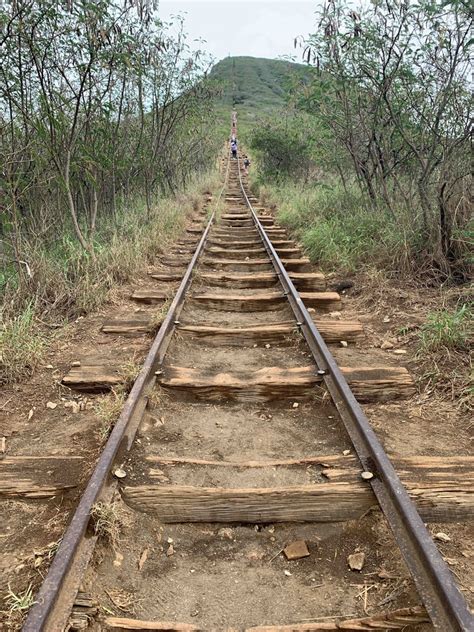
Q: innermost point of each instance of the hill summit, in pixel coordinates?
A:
(256, 83)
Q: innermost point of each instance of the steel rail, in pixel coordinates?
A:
(120, 438)
(435, 583)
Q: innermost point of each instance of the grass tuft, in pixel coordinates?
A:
(444, 329)
(108, 409)
(106, 522)
(20, 602)
(21, 346)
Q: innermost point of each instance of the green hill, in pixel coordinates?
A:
(255, 83)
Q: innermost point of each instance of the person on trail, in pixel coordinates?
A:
(246, 165)
(233, 148)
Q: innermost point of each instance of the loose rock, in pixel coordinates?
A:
(343, 343)
(51, 405)
(296, 550)
(76, 363)
(442, 537)
(386, 345)
(400, 351)
(356, 561)
(366, 476)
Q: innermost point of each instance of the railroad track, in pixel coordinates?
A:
(243, 469)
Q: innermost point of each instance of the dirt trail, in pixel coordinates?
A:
(234, 575)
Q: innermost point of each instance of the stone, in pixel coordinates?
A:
(346, 452)
(120, 473)
(170, 551)
(343, 343)
(51, 405)
(442, 537)
(386, 345)
(356, 561)
(400, 351)
(225, 532)
(366, 476)
(76, 363)
(296, 550)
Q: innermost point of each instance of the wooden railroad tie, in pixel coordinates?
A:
(400, 619)
(369, 384)
(39, 476)
(441, 487)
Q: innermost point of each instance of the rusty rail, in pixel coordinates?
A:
(121, 439)
(434, 581)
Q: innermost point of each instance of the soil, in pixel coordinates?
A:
(220, 575)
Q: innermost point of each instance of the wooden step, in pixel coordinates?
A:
(369, 384)
(132, 326)
(238, 265)
(308, 281)
(281, 333)
(293, 265)
(289, 253)
(39, 476)
(326, 301)
(167, 277)
(237, 223)
(277, 333)
(239, 281)
(252, 253)
(256, 302)
(441, 487)
(176, 261)
(223, 243)
(150, 295)
(400, 619)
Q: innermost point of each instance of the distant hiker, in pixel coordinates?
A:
(233, 148)
(246, 165)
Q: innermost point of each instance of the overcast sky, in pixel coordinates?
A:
(260, 28)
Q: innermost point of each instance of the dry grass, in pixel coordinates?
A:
(106, 522)
(108, 409)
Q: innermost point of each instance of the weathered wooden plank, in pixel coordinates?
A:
(400, 619)
(379, 384)
(289, 253)
(256, 302)
(39, 476)
(238, 265)
(308, 281)
(337, 330)
(225, 243)
(327, 301)
(281, 333)
(151, 295)
(132, 326)
(368, 383)
(266, 384)
(323, 502)
(239, 281)
(93, 378)
(121, 623)
(238, 253)
(167, 277)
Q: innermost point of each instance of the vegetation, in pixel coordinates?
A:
(447, 330)
(104, 118)
(386, 117)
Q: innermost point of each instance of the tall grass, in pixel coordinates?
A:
(339, 228)
(447, 329)
(65, 282)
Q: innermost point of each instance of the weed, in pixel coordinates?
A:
(21, 345)
(20, 602)
(106, 522)
(129, 371)
(159, 316)
(108, 409)
(446, 329)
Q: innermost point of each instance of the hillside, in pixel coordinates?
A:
(254, 83)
